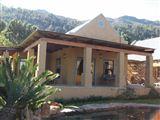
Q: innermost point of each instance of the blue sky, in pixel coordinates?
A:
(87, 9)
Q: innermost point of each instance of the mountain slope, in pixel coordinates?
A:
(130, 28)
(134, 20)
(42, 19)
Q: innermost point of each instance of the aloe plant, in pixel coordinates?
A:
(19, 88)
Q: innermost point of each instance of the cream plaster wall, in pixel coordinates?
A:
(142, 91)
(68, 61)
(93, 29)
(100, 57)
(83, 92)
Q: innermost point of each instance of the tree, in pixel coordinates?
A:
(20, 89)
(134, 32)
(2, 25)
(17, 31)
(4, 41)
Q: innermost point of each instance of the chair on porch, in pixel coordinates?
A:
(108, 78)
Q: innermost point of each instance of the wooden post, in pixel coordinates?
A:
(149, 70)
(87, 67)
(121, 70)
(30, 53)
(41, 57)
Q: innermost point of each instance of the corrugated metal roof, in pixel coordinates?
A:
(74, 30)
(151, 43)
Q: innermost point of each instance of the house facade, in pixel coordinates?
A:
(91, 59)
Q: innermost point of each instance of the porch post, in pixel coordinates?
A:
(15, 64)
(30, 53)
(126, 67)
(149, 70)
(41, 57)
(121, 70)
(87, 67)
(6, 54)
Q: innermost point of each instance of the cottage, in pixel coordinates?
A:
(91, 59)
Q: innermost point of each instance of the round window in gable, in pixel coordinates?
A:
(101, 23)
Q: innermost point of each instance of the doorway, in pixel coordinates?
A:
(79, 70)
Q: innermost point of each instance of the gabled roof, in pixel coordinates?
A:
(151, 43)
(97, 28)
(78, 39)
(76, 29)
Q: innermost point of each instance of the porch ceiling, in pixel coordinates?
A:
(53, 47)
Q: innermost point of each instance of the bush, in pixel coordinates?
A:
(20, 89)
(153, 93)
(128, 93)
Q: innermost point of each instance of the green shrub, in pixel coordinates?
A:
(128, 93)
(153, 93)
(20, 89)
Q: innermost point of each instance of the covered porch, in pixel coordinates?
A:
(86, 66)
(86, 62)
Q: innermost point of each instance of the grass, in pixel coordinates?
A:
(79, 102)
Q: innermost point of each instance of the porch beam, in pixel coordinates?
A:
(31, 46)
(149, 70)
(98, 47)
(41, 57)
(87, 67)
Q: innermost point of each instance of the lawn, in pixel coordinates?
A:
(79, 102)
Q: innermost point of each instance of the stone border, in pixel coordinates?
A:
(90, 108)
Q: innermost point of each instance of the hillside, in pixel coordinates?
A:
(40, 18)
(133, 20)
(19, 23)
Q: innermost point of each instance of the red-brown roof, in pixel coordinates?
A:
(78, 39)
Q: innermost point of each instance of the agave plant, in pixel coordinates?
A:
(19, 88)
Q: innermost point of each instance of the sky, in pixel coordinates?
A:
(87, 9)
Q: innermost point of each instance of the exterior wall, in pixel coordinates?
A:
(100, 57)
(68, 60)
(83, 92)
(99, 28)
(68, 63)
(142, 91)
